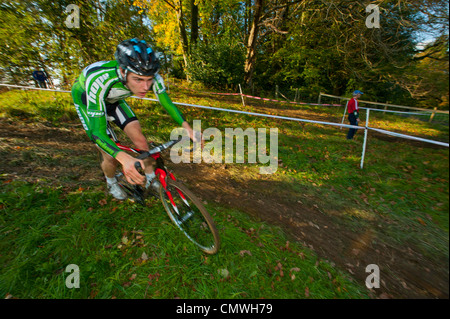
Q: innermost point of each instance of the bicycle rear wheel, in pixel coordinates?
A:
(190, 216)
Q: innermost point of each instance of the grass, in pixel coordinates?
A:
(127, 251)
(403, 188)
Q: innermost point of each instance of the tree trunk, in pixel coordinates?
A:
(183, 34)
(251, 43)
(194, 22)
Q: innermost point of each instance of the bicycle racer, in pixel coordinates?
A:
(99, 92)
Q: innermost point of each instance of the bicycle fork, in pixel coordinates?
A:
(162, 175)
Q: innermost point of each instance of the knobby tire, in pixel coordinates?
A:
(192, 218)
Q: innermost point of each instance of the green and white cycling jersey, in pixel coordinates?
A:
(99, 92)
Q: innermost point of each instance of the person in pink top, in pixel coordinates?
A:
(353, 113)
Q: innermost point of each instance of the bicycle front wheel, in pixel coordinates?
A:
(190, 216)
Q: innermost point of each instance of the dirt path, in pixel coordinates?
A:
(405, 273)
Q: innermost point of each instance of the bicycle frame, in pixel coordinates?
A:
(190, 216)
(161, 170)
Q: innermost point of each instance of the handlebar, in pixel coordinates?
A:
(157, 149)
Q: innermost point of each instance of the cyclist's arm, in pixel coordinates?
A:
(99, 135)
(166, 102)
(106, 144)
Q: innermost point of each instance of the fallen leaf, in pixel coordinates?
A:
(421, 221)
(243, 252)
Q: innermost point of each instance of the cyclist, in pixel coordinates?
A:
(99, 94)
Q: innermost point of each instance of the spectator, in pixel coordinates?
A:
(40, 78)
(353, 113)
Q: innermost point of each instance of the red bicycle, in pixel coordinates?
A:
(182, 206)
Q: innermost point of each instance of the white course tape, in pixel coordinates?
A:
(408, 136)
(269, 116)
(33, 88)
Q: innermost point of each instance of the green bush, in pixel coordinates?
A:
(217, 65)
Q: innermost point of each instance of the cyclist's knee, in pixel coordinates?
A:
(107, 158)
(149, 161)
(110, 160)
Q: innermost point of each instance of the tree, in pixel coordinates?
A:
(20, 50)
(218, 64)
(37, 36)
(252, 42)
(168, 21)
(326, 45)
(427, 80)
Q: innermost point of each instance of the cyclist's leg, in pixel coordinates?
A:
(134, 132)
(109, 164)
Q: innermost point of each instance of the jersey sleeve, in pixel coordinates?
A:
(96, 90)
(166, 102)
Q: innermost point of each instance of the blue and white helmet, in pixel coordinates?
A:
(137, 56)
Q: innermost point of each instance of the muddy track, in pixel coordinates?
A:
(405, 272)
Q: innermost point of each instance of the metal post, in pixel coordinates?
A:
(345, 111)
(432, 114)
(242, 97)
(365, 138)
